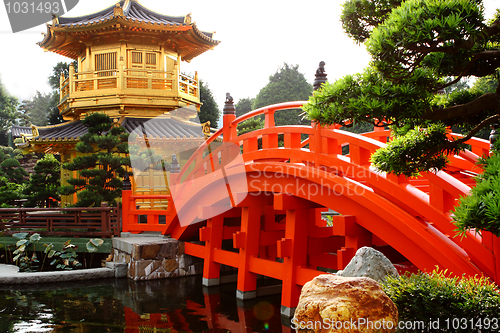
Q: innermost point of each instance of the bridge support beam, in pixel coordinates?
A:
(293, 248)
(247, 241)
(212, 236)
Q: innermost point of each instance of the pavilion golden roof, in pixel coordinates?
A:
(126, 20)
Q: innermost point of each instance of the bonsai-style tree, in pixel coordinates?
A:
(416, 47)
(102, 167)
(12, 177)
(44, 182)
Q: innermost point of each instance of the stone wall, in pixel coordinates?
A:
(155, 258)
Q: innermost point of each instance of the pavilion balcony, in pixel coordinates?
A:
(130, 86)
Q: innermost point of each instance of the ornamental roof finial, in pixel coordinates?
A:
(118, 11)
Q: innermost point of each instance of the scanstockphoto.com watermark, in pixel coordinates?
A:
(447, 324)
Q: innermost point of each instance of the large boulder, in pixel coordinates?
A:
(331, 303)
(368, 262)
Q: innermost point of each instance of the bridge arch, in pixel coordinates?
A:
(273, 207)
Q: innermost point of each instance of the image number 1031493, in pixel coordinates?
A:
(31, 13)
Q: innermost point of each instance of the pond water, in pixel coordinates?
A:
(121, 305)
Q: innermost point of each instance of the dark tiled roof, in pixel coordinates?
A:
(134, 11)
(65, 131)
(156, 128)
(166, 128)
(16, 131)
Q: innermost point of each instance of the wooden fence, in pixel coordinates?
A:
(76, 222)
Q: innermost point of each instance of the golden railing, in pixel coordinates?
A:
(189, 85)
(129, 78)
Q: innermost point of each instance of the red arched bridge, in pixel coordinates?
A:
(255, 202)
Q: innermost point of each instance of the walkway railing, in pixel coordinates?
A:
(85, 222)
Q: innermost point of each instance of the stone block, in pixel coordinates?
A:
(170, 265)
(182, 263)
(131, 271)
(149, 251)
(169, 249)
(120, 268)
(136, 252)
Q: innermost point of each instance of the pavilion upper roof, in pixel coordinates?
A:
(127, 17)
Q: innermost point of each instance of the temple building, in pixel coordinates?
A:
(129, 61)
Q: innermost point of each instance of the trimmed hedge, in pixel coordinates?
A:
(458, 304)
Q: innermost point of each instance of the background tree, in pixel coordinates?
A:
(487, 84)
(54, 80)
(243, 106)
(209, 111)
(44, 182)
(102, 168)
(12, 177)
(40, 106)
(57, 70)
(8, 114)
(415, 45)
(249, 125)
(286, 85)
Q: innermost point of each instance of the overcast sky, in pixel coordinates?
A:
(256, 38)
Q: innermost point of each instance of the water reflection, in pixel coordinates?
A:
(177, 305)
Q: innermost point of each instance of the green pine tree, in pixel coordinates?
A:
(103, 166)
(12, 177)
(209, 111)
(44, 182)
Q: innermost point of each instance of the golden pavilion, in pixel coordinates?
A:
(129, 68)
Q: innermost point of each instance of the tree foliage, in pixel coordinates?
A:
(286, 85)
(44, 182)
(40, 106)
(8, 114)
(101, 168)
(249, 125)
(57, 70)
(481, 209)
(12, 177)
(416, 45)
(209, 111)
(243, 106)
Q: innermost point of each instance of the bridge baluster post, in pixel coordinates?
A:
(229, 114)
(317, 143)
(359, 155)
(440, 199)
(212, 235)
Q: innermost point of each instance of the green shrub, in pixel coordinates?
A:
(463, 304)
